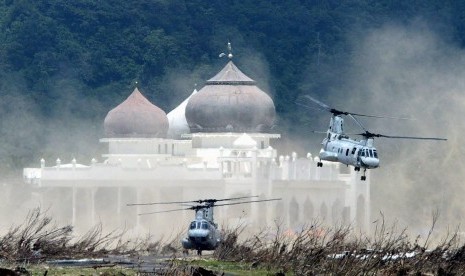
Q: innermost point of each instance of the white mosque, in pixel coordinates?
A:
(215, 144)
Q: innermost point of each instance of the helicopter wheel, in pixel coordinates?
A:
(319, 164)
(357, 169)
(199, 252)
(363, 178)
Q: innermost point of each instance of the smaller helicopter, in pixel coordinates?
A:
(203, 233)
(338, 147)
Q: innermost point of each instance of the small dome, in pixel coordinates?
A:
(230, 102)
(245, 142)
(177, 119)
(136, 117)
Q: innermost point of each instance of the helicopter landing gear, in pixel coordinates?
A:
(319, 164)
(363, 178)
(357, 169)
(199, 252)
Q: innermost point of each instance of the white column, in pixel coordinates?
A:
(138, 211)
(92, 205)
(73, 203)
(294, 165)
(118, 205)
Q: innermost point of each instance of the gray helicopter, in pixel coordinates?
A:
(338, 147)
(203, 233)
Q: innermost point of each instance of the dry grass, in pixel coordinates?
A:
(38, 238)
(315, 250)
(337, 251)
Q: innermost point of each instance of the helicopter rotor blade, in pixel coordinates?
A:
(318, 131)
(322, 105)
(368, 134)
(341, 112)
(358, 122)
(159, 203)
(187, 202)
(198, 207)
(166, 211)
(242, 202)
(304, 103)
(223, 199)
(195, 207)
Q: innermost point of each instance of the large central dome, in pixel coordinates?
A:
(230, 102)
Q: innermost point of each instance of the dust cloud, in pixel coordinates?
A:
(396, 70)
(28, 133)
(410, 71)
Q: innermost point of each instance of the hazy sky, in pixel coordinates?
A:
(410, 71)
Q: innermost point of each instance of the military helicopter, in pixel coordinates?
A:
(203, 233)
(338, 147)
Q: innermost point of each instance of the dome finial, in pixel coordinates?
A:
(230, 55)
(136, 83)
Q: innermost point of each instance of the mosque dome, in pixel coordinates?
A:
(230, 102)
(177, 119)
(136, 117)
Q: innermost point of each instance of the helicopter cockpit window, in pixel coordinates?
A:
(375, 153)
(204, 225)
(192, 226)
(362, 152)
(371, 153)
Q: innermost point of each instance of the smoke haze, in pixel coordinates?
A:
(411, 71)
(396, 70)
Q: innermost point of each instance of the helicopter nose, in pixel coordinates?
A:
(371, 162)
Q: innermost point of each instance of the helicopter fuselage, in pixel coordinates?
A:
(340, 148)
(202, 235)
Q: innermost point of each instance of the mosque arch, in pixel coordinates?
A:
(336, 212)
(239, 210)
(308, 210)
(106, 206)
(128, 215)
(83, 207)
(279, 210)
(293, 212)
(323, 211)
(60, 198)
(360, 216)
(262, 211)
(148, 195)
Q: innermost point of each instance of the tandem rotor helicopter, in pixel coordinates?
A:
(338, 147)
(203, 233)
